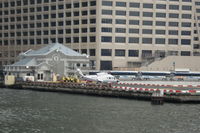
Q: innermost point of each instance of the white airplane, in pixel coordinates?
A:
(99, 77)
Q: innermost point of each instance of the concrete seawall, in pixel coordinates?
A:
(105, 90)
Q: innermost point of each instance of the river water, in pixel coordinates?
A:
(23, 111)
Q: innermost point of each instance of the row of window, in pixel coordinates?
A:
(48, 32)
(33, 2)
(84, 39)
(134, 53)
(48, 24)
(144, 31)
(146, 22)
(145, 40)
(138, 5)
(68, 14)
(145, 14)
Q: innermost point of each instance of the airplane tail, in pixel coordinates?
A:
(80, 72)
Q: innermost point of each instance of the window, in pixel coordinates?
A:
(120, 30)
(134, 31)
(174, 7)
(68, 14)
(186, 16)
(147, 5)
(92, 52)
(134, 13)
(185, 53)
(120, 39)
(186, 33)
(76, 30)
(121, 13)
(92, 3)
(53, 32)
(186, 24)
(106, 52)
(77, 13)
(160, 23)
(185, 41)
(107, 3)
(53, 15)
(105, 29)
(173, 41)
(134, 22)
(60, 15)
(147, 40)
(133, 40)
(83, 51)
(92, 21)
(160, 6)
(84, 30)
(107, 12)
(160, 40)
(46, 16)
(133, 53)
(46, 24)
(53, 23)
(76, 5)
(53, 7)
(134, 5)
(68, 40)
(119, 52)
(106, 21)
(32, 41)
(84, 4)
(105, 65)
(76, 39)
(146, 31)
(84, 13)
(147, 14)
(120, 21)
(160, 32)
(147, 22)
(68, 6)
(92, 39)
(93, 29)
(184, 7)
(76, 22)
(121, 4)
(106, 39)
(173, 24)
(186, 0)
(84, 21)
(92, 12)
(173, 32)
(161, 15)
(60, 7)
(173, 15)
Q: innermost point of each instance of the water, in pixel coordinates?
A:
(23, 111)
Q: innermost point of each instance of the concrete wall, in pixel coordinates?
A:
(181, 62)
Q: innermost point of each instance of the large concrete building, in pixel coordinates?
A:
(116, 34)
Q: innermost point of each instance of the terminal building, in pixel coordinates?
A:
(116, 34)
(45, 63)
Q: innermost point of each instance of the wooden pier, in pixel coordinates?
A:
(110, 90)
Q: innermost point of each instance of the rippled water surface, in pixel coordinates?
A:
(31, 112)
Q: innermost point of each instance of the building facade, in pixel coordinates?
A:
(43, 64)
(116, 34)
